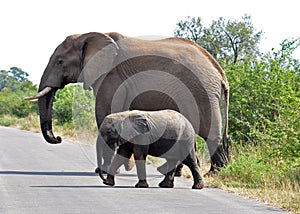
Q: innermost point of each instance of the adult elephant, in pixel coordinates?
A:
(130, 73)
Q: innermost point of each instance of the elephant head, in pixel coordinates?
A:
(66, 66)
(119, 128)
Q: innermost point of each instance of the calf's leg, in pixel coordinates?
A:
(191, 162)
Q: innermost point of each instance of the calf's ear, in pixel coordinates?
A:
(133, 126)
(139, 123)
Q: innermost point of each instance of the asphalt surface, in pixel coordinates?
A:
(36, 177)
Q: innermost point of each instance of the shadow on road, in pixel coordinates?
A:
(48, 173)
(89, 187)
(76, 174)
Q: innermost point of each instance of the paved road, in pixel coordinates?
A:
(36, 177)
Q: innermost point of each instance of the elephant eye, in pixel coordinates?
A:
(60, 61)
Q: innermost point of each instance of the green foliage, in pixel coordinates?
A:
(265, 98)
(191, 28)
(14, 85)
(83, 106)
(84, 115)
(75, 106)
(264, 120)
(62, 106)
(226, 40)
(15, 79)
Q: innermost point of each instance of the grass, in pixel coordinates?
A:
(287, 196)
(30, 123)
(251, 173)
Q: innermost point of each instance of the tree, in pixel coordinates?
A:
(191, 28)
(14, 85)
(14, 79)
(226, 40)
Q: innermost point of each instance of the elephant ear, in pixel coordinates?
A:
(139, 123)
(133, 126)
(97, 54)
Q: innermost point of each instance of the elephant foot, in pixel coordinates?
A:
(108, 183)
(218, 159)
(166, 183)
(104, 172)
(142, 184)
(199, 185)
(110, 180)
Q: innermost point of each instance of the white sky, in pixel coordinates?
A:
(30, 30)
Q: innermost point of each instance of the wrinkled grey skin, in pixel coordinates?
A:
(128, 73)
(166, 134)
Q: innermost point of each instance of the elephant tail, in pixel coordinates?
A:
(226, 140)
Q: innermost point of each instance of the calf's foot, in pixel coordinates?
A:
(104, 171)
(110, 180)
(166, 183)
(142, 184)
(199, 185)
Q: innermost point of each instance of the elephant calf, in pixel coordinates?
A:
(166, 134)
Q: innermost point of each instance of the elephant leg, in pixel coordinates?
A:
(104, 154)
(108, 155)
(178, 170)
(107, 161)
(168, 181)
(218, 159)
(128, 163)
(213, 141)
(191, 162)
(140, 154)
(123, 154)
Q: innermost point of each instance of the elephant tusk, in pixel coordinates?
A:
(33, 100)
(38, 95)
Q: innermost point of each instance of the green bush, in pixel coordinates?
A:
(12, 103)
(264, 119)
(264, 103)
(74, 107)
(14, 85)
(62, 106)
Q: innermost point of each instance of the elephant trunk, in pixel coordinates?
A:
(99, 148)
(45, 109)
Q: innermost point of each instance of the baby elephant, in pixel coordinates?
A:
(166, 134)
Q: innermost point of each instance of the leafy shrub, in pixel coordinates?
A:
(62, 106)
(14, 85)
(75, 106)
(265, 100)
(13, 103)
(264, 121)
